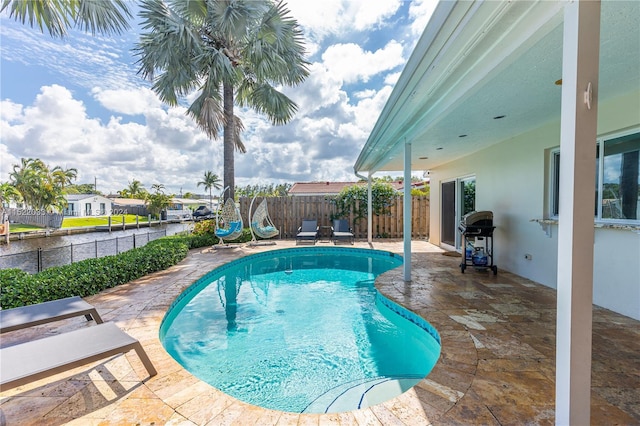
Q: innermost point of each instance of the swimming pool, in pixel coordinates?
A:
(301, 330)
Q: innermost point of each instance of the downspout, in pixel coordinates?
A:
(369, 206)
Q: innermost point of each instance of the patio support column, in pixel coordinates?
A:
(369, 210)
(406, 212)
(578, 129)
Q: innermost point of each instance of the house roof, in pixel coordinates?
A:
(321, 188)
(128, 201)
(303, 188)
(477, 61)
(79, 197)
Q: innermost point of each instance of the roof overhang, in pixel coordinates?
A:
(477, 61)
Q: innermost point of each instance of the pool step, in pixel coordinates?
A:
(362, 394)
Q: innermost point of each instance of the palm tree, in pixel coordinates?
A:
(158, 188)
(63, 177)
(8, 192)
(41, 187)
(211, 180)
(135, 189)
(96, 16)
(231, 52)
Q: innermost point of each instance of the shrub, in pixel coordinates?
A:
(204, 227)
(18, 288)
(354, 199)
(204, 234)
(91, 276)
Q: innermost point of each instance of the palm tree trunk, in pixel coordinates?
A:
(229, 145)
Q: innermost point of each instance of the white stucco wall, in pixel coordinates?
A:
(511, 182)
(79, 206)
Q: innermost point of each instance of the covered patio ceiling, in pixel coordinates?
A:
(484, 72)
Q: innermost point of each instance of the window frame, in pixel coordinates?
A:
(554, 183)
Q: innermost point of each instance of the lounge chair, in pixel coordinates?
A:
(42, 313)
(261, 224)
(341, 231)
(37, 359)
(308, 231)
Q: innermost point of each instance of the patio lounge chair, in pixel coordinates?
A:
(341, 231)
(41, 313)
(261, 223)
(37, 359)
(308, 231)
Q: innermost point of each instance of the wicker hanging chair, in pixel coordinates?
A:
(261, 224)
(228, 221)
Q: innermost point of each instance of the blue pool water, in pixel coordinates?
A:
(301, 330)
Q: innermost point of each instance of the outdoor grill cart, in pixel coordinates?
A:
(476, 229)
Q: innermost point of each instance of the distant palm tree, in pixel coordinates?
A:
(63, 177)
(8, 192)
(40, 186)
(158, 187)
(135, 189)
(232, 52)
(211, 180)
(95, 16)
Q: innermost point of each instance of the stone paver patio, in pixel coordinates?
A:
(496, 365)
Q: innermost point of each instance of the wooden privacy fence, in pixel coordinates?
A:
(287, 214)
(35, 217)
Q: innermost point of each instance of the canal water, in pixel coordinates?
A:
(35, 254)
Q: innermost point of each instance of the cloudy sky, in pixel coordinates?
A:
(80, 103)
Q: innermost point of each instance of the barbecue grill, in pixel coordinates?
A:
(476, 230)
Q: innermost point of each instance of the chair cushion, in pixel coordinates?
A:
(233, 227)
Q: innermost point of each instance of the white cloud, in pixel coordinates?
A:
(323, 18)
(167, 149)
(129, 101)
(350, 63)
(421, 11)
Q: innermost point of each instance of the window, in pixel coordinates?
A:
(620, 178)
(468, 192)
(617, 179)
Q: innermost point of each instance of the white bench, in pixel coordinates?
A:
(41, 313)
(37, 359)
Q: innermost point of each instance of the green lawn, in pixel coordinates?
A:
(72, 222)
(18, 227)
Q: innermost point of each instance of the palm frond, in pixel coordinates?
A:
(54, 15)
(232, 19)
(57, 16)
(265, 99)
(237, 140)
(206, 110)
(102, 16)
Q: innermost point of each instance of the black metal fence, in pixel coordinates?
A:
(38, 260)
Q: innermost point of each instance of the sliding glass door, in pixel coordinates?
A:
(458, 199)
